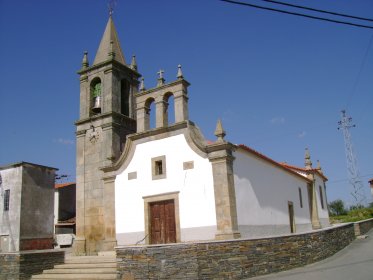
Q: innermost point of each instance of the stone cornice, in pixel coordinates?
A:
(115, 116)
(165, 86)
(112, 64)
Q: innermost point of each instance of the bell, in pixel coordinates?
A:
(97, 105)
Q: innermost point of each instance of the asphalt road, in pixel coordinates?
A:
(355, 262)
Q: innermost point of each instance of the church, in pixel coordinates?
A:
(141, 185)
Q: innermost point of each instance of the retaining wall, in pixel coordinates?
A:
(233, 259)
(363, 227)
(22, 265)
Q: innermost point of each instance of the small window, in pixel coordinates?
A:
(6, 200)
(321, 198)
(159, 167)
(300, 197)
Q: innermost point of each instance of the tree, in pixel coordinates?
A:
(337, 208)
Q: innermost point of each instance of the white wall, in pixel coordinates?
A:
(263, 191)
(10, 220)
(196, 197)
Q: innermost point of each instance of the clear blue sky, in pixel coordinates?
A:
(277, 81)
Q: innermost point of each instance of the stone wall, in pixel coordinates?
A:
(233, 259)
(22, 265)
(363, 227)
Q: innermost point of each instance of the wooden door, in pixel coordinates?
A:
(162, 222)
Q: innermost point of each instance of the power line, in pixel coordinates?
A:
(317, 10)
(362, 65)
(296, 14)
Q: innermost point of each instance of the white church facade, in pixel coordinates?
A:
(142, 185)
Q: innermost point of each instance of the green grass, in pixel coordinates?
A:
(353, 216)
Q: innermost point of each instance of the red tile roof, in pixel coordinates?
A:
(305, 170)
(62, 185)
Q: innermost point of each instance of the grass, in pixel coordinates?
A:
(353, 216)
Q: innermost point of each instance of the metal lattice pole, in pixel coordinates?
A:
(353, 172)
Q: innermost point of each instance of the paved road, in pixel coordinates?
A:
(355, 262)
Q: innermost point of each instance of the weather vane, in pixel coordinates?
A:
(111, 5)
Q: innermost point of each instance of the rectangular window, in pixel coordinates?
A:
(159, 168)
(321, 198)
(300, 197)
(6, 200)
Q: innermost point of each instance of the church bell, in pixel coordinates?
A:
(97, 105)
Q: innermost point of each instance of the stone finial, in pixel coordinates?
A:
(142, 84)
(179, 73)
(307, 159)
(318, 167)
(161, 79)
(133, 63)
(219, 131)
(85, 63)
(111, 51)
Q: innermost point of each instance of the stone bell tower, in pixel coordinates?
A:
(107, 116)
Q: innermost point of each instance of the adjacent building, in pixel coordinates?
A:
(26, 207)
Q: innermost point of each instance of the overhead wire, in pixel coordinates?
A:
(317, 10)
(296, 14)
(362, 65)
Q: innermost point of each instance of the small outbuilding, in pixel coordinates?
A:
(26, 207)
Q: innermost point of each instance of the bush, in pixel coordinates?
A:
(337, 208)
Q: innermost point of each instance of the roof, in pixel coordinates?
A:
(62, 185)
(110, 35)
(273, 162)
(21, 163)
(304, 170)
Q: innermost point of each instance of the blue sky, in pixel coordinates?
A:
(278, 82)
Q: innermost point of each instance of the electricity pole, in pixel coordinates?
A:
(353, 172)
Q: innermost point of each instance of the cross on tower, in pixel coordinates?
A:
(111, 5)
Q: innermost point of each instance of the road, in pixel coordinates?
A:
(355, 262)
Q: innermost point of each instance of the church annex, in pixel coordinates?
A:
(168, 184)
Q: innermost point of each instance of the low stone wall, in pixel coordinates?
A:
(233, 259)
(363, 227)
(22, 265)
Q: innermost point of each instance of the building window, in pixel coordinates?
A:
(300, 197)
(159, 167)
(6, 200)
(321, 198)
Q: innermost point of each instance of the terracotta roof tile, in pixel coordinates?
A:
(62, 185)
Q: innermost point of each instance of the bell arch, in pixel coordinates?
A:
(95, 96)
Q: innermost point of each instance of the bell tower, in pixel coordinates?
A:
(107, 116)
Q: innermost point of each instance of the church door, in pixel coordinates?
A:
(162, 222)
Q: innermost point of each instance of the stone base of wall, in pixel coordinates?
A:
(22, 265)
(233, 259)
(36, 244)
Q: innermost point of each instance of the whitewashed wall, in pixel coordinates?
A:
(263, 191)
(195, 186)
(10, 220)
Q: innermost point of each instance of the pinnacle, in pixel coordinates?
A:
(109, 45)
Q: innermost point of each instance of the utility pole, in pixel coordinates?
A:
(353, 172)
